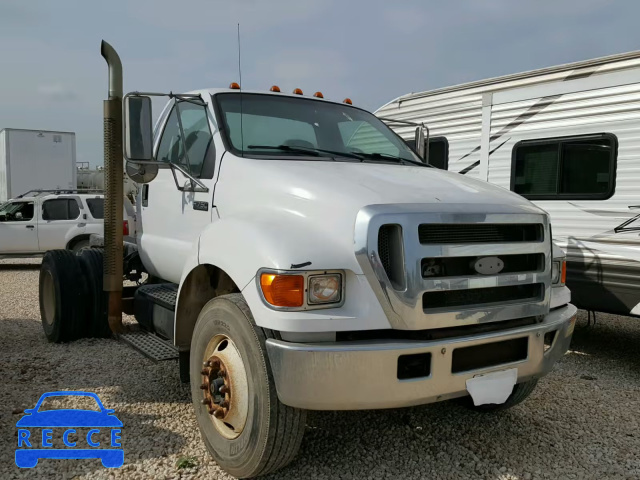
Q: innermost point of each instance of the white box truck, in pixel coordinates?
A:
(34, 160)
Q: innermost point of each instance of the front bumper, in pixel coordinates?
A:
(364, 374)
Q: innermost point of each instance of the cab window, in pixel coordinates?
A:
(194, 152)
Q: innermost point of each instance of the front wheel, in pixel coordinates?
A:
(247, 430)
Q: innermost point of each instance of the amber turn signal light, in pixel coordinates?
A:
(563, 276)
(283, 290)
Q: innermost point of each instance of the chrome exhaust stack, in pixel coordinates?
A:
(113, 183)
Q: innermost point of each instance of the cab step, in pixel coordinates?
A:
(150, 345)
(154, 308)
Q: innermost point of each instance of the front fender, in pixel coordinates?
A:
(241, 247)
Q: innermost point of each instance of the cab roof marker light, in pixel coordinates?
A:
(297, 91)
(318, 94)
(275, 88)
(234, 86)
(347, 101)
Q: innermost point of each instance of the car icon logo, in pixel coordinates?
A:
(38, 428)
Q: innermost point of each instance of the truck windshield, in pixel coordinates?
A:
(294, 127)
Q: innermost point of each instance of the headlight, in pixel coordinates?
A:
(558, 272)
(301, 290)
(325, 289)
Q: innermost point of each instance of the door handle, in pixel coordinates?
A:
(31, 226)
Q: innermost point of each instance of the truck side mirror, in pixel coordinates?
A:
(138, 131)
(420, 144)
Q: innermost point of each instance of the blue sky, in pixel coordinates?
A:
(54, 78)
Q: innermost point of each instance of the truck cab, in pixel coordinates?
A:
(305, 257)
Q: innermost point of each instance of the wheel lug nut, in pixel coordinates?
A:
(206, 401)
(206, 364)
(212, 411)
(218, 413)
(203, 387)
(223, 389)
(224, 404)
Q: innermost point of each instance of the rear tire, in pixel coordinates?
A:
(62, 295)
(272, 432)
(520, 392)
(91, 262)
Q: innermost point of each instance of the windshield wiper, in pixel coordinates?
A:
(312, 150)
(393, 158)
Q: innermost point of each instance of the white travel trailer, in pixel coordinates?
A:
(565, 137)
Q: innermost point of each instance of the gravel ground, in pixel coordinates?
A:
(581, 422)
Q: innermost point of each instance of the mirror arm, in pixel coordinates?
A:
(426, 144)
(199, 186)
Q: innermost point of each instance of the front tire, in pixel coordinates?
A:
(257, 434)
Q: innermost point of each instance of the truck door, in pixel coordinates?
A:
(18, 228)
(172, 219)
(60, 222)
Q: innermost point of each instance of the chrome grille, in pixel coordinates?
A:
(443, 234)
(482, 296)
(430, 280)
(383, 247)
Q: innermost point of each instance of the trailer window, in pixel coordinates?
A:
(96, 207)
(565, 168)
(60, 209)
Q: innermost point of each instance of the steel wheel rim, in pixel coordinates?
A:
(225, 392)
(48, 298)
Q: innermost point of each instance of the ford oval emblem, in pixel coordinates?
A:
(488, 265)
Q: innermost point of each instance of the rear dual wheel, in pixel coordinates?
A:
(63, 296)
(72, 303)
(247, 430)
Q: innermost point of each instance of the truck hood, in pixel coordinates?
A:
(306, 210)
(350, 186)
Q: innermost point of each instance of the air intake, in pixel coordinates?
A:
(447, 233)
(391, 254)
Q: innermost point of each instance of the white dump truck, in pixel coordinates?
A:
(301, 256)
